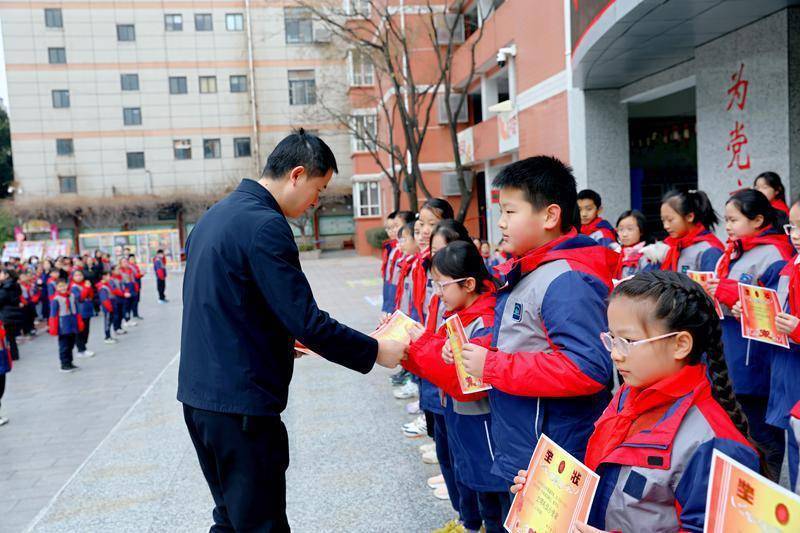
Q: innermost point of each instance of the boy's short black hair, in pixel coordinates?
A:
(159, 251)
(405, 216)
(589, 194)
(300, 149)
(545, 180)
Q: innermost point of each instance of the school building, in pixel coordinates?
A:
(637, 95)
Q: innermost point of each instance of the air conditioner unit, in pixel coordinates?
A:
(450, 183)
(322, 35)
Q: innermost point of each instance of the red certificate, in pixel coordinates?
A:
(703, 278)
(759, 308)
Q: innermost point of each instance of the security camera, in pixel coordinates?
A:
(504, 53)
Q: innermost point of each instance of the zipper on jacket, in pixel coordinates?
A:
(488, 440)
(536, 422)
(747, 357)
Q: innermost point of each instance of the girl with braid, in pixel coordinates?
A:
(652, 446)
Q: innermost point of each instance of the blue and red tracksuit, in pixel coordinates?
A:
(65, 322)
(121, 295)
(752, 260)
(389, 258)
(793, 454)
(631, 261)
(548, 368)
(784, 387)
(131, 287)
(466, 420)
(84, 299)
(652, 449)
(602, 232)
(106, 296)
(137, 276)
(698, 250)
(405, 289)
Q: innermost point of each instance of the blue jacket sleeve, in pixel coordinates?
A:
(273, 258)
(693, 486)
(709, 258)
(772, 275)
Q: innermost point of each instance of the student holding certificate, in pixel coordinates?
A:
(652, 446)
(756, 253)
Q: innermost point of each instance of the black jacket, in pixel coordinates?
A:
(10, 297)
(245, 300)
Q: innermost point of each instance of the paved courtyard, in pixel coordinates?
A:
(105, 449)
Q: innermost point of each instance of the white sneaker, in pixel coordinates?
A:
(440, 492)
(435, 481)
(425, 448)
(3, 421)
(110, 341)
(409, 390)
(414, 422)
(85, 355)
(121, 332)
(131, 323)
(430, 458)
(417, 429)
(413, 408)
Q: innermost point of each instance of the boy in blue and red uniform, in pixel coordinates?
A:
(83, 293)
(160, 268)
(65, 322)
(115, 282)
(107, 298)
(137, 279)
(590, 206)
(548, 368)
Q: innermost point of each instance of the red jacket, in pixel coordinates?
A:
(425, 354)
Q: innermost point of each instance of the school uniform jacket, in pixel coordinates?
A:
(784, 386)
(698, 250)
(467, 416)
(632, 261)
(761, 264)
(64, 317)
(652, 449)
(83, 298)
(389, 272)
(159, 268)
(106, 296)
(6, 364)
(602, 232)
(549, 371)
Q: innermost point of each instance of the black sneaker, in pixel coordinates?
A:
(68, 368)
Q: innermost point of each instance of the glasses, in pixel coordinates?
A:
(438, 286)
(624, 346)
(790, 228)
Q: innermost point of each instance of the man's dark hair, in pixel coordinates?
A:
(544, 180)
(589, 194)
(300, 149)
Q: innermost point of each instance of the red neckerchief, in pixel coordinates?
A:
(629, 257)
(419, 281)
(596, 260)
(592, 226)
(736, 247)
(792, 269)
(780, 205)
(405, 268)
(387, 246)
(615, 426)
(696, 235)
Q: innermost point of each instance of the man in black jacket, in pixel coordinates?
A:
(245, 301)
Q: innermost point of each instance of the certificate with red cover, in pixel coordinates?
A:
(759, 308)
(703, 278)
(396, 328)
(458, 338)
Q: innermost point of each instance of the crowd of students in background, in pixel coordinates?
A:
(594, 335)
(65, 294)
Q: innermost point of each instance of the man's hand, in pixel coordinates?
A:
(786, 323)
(474, 357)
(390, 353)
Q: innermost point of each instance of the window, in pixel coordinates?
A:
(68, 184)
(56, 55)
(302, 87)
(241, 147)
(212, 148)
(129, 82)
(132, 116)
(366, 127)
(362, 70)
(177, 85)
(367, 199)
(234, 22)
(203, 22)
(135, 159)
(126, 32)
(208, 84)
(298, 25)
(173, 22)
(238, 84)
(182, 148)
(52, 18)
(449, 28)
(64, 147)
(60, 98)
(358, 7)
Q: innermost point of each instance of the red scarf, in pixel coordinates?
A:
(596, 260)
(419, 281)
(615, 426)
(737, 247)
(696, 235)
(629, 257)
(388, 246)
(793, 270)
(591, 227)
(780, 205)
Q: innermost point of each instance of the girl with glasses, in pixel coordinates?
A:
(652, 446)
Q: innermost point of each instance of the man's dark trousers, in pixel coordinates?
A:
(244, 460)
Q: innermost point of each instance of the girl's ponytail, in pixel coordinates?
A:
(693, 202)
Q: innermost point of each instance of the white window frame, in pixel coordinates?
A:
(237, 19)
(363, 119)
(365, 75)
(373, 208)
(309, 87)
(173, 22)
(302, 19)
(361, 8)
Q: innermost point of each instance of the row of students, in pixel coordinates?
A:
(551, 373)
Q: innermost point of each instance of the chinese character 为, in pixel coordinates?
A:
(737, 140)
(548, 456)
(738, 91)
(575, 477)
(745, 491)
